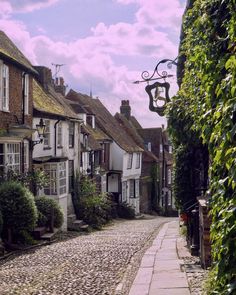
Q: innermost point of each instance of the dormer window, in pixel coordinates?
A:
(4, 87)
(91, 121)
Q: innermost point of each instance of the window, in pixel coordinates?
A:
(25, 85)
(136, 188)
(149, 146)
(132, 188)
(71, 175)
(57, 178)
(130, 159)
(170, 149)
(71, 134)
(62, 178)
(138, 161)
(26, 156)
(46, 140)
(59, 134)
(161, 148)
(169, 176)
(4, 87)
(51, 171)
(9, 157)
(124, 191)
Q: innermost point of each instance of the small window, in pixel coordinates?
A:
(71, 134)
(138, 161)
(59, 134)
(170, 149)
(130, 159)
(46, 140)
(149, 146)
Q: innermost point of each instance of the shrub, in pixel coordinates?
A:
(18, 207)
(45, 207)
(94, 208)
(126, 211)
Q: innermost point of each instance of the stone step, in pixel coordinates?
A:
(38, 232)
(78, 225)
(71, 218)
(48, 236)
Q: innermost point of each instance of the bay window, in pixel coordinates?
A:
(57, 184)
(10, 157)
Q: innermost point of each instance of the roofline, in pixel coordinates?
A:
(20, 65)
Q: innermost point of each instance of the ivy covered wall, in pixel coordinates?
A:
(203, 115)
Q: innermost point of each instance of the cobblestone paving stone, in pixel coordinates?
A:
(90, 264)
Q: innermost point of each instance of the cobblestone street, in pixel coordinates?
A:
(91, 264)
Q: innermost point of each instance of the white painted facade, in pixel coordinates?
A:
(129, 177)
(60, 166)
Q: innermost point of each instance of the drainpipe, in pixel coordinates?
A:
(23, 122)
(55, 137)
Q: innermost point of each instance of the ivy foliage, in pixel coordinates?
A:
(205, 110)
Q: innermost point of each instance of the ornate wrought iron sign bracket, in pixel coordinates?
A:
(157, 102)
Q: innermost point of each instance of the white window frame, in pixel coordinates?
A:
(25, 84)
(10, 157)
(26, 155)
(149, 146)
(59, 135)
(71, 132)
(138, 160)
(4, 87)
(47, 133)
(57, 174)
(129, 161)
(161, 148)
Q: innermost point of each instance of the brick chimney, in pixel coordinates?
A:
(125, 109)
(45, 76)
(60, 86)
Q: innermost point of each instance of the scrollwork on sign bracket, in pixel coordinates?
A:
(155, 98)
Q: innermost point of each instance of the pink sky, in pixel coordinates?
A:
(104, 44)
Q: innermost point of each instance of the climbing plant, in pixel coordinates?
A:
(204, 110)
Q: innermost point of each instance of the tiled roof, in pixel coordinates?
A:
(51, 102)
(131, 129)
(153, 135)
(105, 121)
(97, 133)
(9, 50)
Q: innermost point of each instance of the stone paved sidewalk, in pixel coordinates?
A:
(91, 264)
(160, 271)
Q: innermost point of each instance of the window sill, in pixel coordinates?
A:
(5, 111)
(47, 148)
(60, 147)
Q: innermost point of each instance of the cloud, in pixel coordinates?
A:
(30, 5)
(97, 59)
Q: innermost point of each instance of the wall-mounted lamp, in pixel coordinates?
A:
(40, 128)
